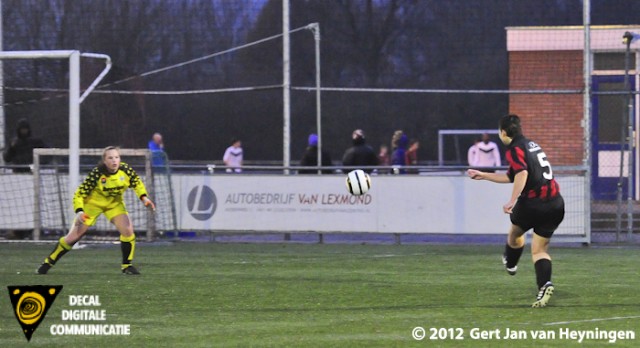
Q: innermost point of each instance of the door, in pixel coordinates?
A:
(610, 113)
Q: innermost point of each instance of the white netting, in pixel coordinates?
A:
(40, 200)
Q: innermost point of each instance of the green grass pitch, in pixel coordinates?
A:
(303, 295)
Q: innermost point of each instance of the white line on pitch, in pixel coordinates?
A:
(591, 320)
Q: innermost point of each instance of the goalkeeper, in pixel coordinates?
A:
(102, 192)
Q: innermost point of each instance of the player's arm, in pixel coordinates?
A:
(500, 178)
(519, 181)
(137, 185)
(85, 189)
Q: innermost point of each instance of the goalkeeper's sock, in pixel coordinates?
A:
(512, 255)
(543, 272)
(61, 248)
(128, 247)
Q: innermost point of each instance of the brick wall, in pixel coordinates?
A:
(551, 120)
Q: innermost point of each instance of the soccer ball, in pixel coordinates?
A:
(358, 182)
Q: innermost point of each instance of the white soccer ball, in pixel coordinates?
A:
(358, 182)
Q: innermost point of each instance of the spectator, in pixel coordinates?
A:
(395, 138)
(360, 154)
(399, 156)
(384, 158)
(411, 156)
(156, 146)
(20, 151)
(233, 156)
(488, 154)
(310, 158)
(472, 153)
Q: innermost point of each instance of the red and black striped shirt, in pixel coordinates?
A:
(524, 154)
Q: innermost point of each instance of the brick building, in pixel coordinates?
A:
(551, 58)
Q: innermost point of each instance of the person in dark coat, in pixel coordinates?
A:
(310, 157)
(360, 154)
(20, 151)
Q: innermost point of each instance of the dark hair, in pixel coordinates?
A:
(511, 125)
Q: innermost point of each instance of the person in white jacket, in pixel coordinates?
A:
(487, 153)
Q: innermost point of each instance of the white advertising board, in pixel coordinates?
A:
(452, 204)
(297, 203)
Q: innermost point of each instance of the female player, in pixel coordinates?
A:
(535, 203)
(102, 192)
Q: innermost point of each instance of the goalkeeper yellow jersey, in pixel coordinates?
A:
(101, 188)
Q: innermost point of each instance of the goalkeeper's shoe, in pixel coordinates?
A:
(130, 270)
(512, 271)
(44, 268)
(543, 295)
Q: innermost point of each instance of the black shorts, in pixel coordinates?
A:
(544, 216)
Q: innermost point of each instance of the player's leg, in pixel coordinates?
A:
(520, 224)
(127, 242)
(117, 214)
(550, 216)
(513, 249)
(541, 259)
(65, 244)
(542, 264)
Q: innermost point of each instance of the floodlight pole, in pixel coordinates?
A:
(286, 88)
(627, 39)
(586, 119)
(315, 28)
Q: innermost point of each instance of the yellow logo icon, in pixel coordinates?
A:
(31, 303)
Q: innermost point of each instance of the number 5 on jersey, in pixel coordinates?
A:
(542, 158)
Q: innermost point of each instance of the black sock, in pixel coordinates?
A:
(512, 255)
(543, 272)
(128, 247)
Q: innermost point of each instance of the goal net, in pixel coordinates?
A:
(52, 201)
(41, 201)
(454, 144)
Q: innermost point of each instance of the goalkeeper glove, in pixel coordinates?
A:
(148, 203)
